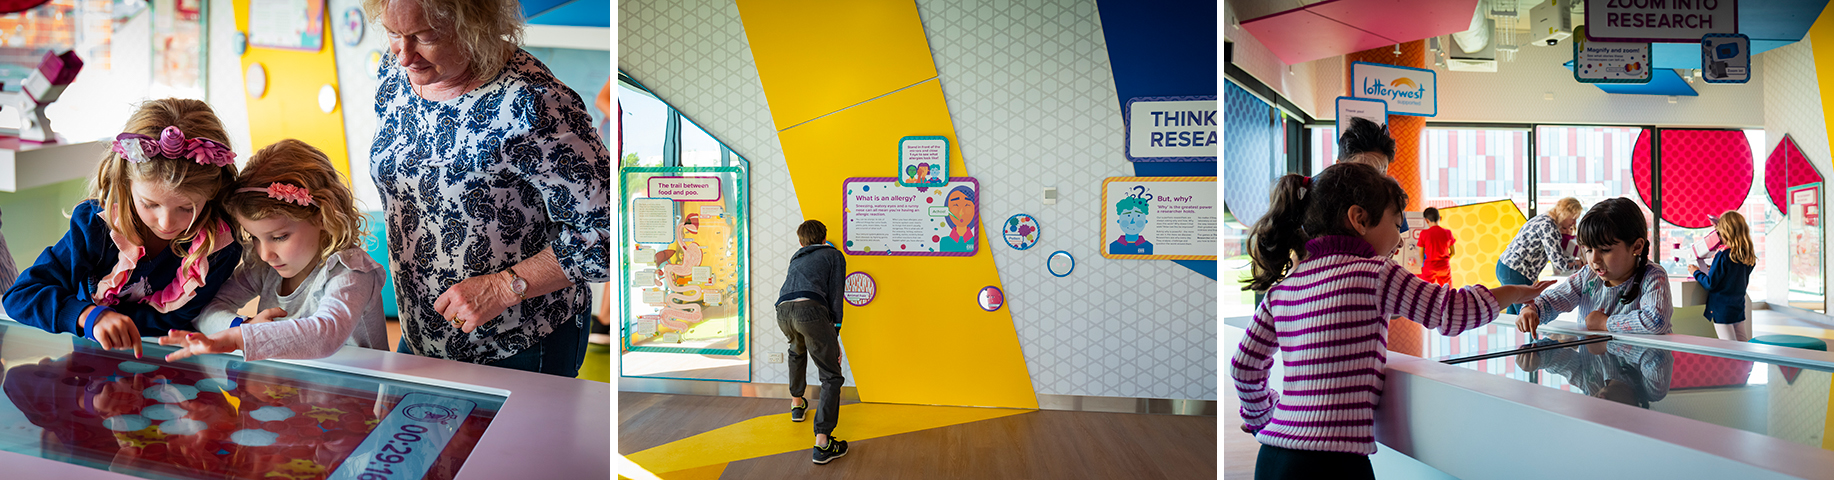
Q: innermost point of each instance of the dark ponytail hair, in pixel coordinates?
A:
(1618, 220)
(1277, 240)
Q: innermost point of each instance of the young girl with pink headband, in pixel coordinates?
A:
(318, 289)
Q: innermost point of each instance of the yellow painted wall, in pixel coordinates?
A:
(924, 339)
(289, 109)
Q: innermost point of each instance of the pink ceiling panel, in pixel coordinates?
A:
(1300, 36)
(1401, 20)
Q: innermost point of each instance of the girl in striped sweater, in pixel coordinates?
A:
(1329, 297)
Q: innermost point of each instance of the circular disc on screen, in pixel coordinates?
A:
(254, 437)
(137, 367)
(182, 426)
(126, 423)
(216, 385)
(163, 411)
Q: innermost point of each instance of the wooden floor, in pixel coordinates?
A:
(1041, 444)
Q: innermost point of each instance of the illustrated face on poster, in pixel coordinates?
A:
(923, 161)
(1172, 218)
(883, 218)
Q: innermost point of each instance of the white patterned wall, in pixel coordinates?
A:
(1034, 105)
(1033, 101)
(1792, 105)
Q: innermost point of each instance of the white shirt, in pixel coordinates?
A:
(338, 304)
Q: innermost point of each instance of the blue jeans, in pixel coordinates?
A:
(559, 353)
(1508, 276)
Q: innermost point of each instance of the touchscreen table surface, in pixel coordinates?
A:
(216, 416)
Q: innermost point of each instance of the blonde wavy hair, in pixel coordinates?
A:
(115, 176)
(1737, 237)
(295, 163)
(486, 30)
(1566, 209)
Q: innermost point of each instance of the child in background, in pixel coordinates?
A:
(1326, 318)
(1728, 277)
(1436, 246)
(1623, 291)
(151, 246)
(306, 262)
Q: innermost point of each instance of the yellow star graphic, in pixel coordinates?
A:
(277, 392)
(297, 469)
(325, 414)
(142, 437)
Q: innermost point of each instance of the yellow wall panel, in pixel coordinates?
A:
(818, 56)
(924, 340)
(289, 109)
(1483, 230)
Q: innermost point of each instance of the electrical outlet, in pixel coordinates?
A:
(776, 358)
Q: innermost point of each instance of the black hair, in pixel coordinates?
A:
(1431, 214)
(1364, 136)
(1618, 220)
(1278, 239)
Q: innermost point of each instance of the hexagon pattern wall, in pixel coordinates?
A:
(1031, 97)
(1249, 155)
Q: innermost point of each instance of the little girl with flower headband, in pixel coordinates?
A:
(151, 246)
(305, 262)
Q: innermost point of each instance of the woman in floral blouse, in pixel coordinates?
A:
(1540, 242)
(496, 188)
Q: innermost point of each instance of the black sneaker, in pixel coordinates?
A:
(796, 412)
(836, 449)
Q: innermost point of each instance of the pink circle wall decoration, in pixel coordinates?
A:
(1704, 172)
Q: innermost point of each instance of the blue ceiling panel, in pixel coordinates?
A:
(1664, 82)
(1777, 19)
(577, 13)
(532, 8)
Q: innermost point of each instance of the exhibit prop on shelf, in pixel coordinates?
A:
(1408, 90)
(1171, 129)
(859, 289)
(685, 283)
(991, 298)
(1609, 62)
(287, 24)
(923, 161)
(42, 87)
(1374, 110)
(1725, 58)
(1021, 231)
(1060, 263)
(1159, 218)
(880, 217)
(1657, 21)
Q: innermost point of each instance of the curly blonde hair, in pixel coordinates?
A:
(295, 163)
(488, 31)
(115, 176)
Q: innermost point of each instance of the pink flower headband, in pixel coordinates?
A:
(172, 143)
(284, 192)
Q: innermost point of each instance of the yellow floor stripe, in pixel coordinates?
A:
(774, 434)
(710, 472)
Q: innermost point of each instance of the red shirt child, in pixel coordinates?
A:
(1436, 249)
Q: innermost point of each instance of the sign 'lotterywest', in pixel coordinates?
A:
(1408, 91)
(1683, 21)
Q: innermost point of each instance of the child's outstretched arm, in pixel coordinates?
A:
(1653, 311)
(243, 285)
(1562, 297)
(1449, 310)
(46, 295)
(1250, 367)
(324, 331)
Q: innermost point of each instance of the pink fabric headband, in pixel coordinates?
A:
(172, 143)
(284, 192)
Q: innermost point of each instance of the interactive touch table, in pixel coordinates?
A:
(73, 410)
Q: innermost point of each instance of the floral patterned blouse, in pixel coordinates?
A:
(476, 184)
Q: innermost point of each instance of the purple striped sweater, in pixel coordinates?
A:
(1329, 322)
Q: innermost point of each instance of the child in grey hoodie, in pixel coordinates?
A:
(809, 312)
